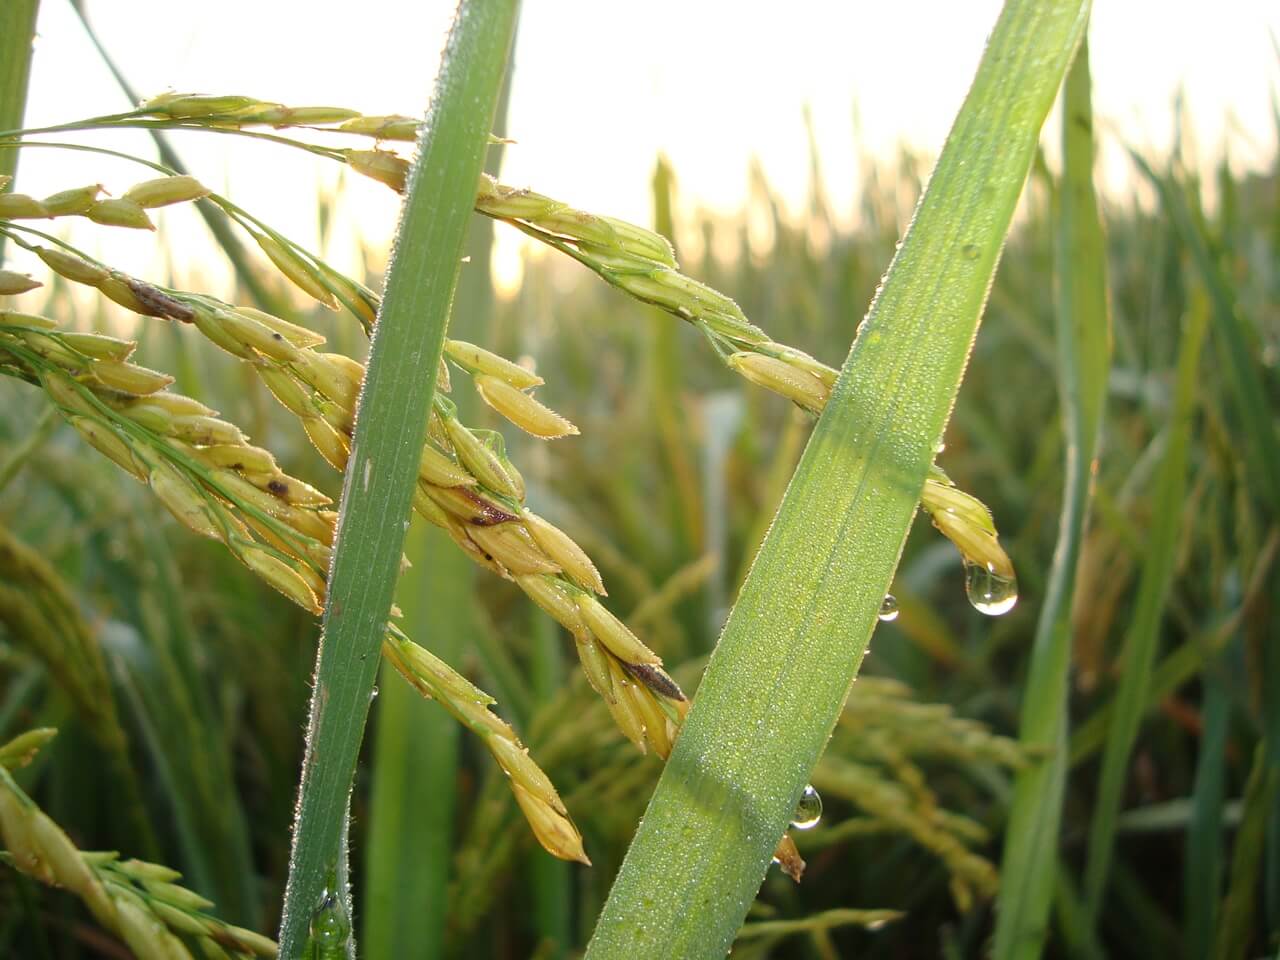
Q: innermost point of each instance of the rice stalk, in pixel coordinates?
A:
(37, 608)
(1082, 324)
(638, 261)
(17, 33)
(139, 902)
(218, 485)
(1141, 643)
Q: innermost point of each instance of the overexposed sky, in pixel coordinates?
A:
(600, 88)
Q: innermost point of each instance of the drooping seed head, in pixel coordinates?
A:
(107, 442)
(522, 410)
(117, 289)
(72, 202)
(439, 470)
(258, 336)
(381, 165)
(304, 275)
(391, 127)
(243, 457)
(280, 575)
(515, 761)
(479, 360)
(470, 505)
(194, 105)
(141, 930)
(183, 500)
(293, 396)
(554, 831)
(12, 284)
(332, 445)
(511, 545)
(299, 336)
(176, 404)
(282, 116)
(72, 267)
(613, 634)
(12, 318)
(129, 377)
(163, 191)
(623, 708)
(335, 375)
(797, 385)
(554, 597)
(99, 346)
(474, 454)
(595, 664)
(19, 206)
(561, 548)
(119, 212)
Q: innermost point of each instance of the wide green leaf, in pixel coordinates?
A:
(797, 634)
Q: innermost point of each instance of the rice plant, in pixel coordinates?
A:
(947, 802)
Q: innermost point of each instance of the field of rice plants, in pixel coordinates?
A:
(623, 620)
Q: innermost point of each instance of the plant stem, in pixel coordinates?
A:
(390, 429)
(17, 31)
(783, 667)
(1143, 637)
(1028, 873)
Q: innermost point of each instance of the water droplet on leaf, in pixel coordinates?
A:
(330, 928)
(889, 608)
(988, 591)
(970, 251)
(808, 809)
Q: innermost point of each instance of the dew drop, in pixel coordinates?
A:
(988, 591)
(970, 251)
(889, 608)
(808, 809)
(373, 694)
(330, 928)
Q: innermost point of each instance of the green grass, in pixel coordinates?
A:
(210, 672)
(391, 424)
(804, 616)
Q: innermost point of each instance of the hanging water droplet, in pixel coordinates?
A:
(889, 608)
(373, 693)
(808, 809)
(988, 591)
(970, 251)
(330, 928)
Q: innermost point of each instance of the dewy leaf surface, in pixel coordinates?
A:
(798, 632)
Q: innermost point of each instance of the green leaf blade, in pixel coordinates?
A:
(390, 427)
(797, 635)
(1083, 355)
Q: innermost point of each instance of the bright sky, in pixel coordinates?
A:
(601, 88)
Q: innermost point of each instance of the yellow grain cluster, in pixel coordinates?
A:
(140, 902)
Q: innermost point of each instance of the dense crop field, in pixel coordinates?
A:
(1092, 771)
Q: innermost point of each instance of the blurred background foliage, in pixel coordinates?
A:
(180, 682)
